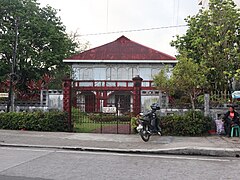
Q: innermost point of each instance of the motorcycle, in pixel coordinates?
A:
(148, 123)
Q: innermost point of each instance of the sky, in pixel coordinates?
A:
(106, 16)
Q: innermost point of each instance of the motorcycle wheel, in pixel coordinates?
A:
(144, 134)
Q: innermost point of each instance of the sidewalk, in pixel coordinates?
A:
(132, 143)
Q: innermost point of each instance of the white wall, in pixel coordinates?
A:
(115, 71)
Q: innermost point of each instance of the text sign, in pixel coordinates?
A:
(109, 110)
(3, 95)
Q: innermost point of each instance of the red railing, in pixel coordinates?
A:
(110, 84)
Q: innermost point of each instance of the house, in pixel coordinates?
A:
(104, 75)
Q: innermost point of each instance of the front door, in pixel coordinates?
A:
(89, 102)
(122, 102)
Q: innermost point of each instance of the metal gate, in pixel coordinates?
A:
(100, 123)
(114, 117)
(102, 106)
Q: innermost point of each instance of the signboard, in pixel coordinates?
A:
(3, 95)
(55, 101)
(109, 109)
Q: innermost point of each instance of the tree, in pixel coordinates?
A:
(42, 41)
(187, 77)
(56, 82)
(163, 81)
(213, 40)
(75, 37)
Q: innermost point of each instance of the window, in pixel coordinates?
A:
(99, 73)
(86, 74)
(145, 73)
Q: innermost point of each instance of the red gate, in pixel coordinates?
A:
(85, 101)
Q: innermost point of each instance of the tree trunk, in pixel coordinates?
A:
(193, 104)
(192, 101)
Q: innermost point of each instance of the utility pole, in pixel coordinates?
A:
(10, 104)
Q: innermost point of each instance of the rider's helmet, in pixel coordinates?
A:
(155, 106)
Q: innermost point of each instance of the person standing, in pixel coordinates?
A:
(230, 119)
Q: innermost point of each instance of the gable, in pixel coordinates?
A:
(120, 50)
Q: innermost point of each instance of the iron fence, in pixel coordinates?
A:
(111, 123)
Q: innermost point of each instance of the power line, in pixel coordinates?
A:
(133, 30)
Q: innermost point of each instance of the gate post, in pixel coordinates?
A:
(67, 106)
(137, 84)
(206, 105)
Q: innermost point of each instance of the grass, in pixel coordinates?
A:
(86, 127)
(83, 124)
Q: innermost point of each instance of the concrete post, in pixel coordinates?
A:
(206, 105)
(160, 99)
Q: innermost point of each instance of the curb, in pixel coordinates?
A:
(199, 151)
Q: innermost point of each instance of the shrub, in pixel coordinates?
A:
(134, 124)
(190, 124)
(78, 116)
(35, 121)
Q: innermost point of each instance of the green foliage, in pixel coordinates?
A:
(163, 81)
(134, 124)
(42, 41)
(187, 77)
(190, 124)
(212, 40)
(78, 115)
(36, 121)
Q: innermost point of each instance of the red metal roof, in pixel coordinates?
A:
(122, 49)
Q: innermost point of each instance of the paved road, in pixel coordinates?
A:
(39, 164)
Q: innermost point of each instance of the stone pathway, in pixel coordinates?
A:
(114, 129)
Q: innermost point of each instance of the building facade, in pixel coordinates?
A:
(108, 71)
